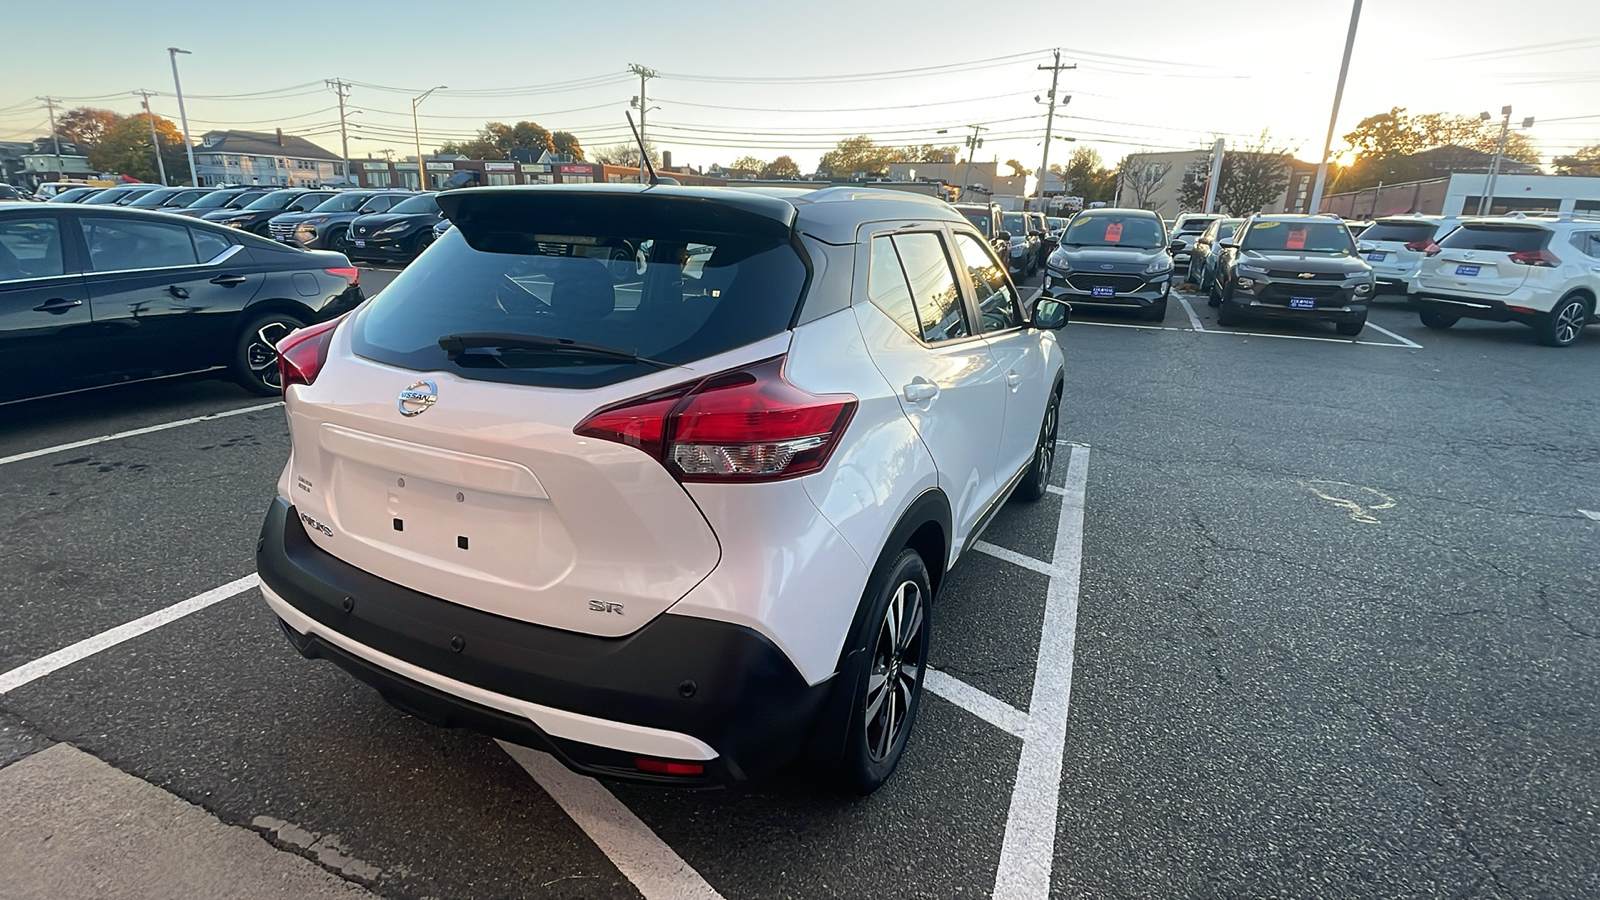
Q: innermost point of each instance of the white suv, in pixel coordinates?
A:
(1395, 247)
(664, 480)
(1542, 271)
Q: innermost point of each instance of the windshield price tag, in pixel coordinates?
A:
(1113, 232)
(1297, 239)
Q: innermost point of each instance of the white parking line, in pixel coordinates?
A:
(1013, 557)
(655, 869)
(985, 706)
(1593, 515)
(151, 429)
(1407, 341)
(1028, 852)
(1193, 319)
(66, 656)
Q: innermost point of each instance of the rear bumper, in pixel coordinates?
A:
(596, 703)
(1469, 308)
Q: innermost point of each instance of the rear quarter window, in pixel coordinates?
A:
(1496, 238)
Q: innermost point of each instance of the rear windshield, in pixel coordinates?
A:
(1499, 238)
(978, 218)
(1195, 224)
(1400, 232)
(425, 203)
(673, 299)
(1138, 232)
(1226, 229)
(1303, 237)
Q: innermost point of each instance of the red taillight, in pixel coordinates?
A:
(1425, 246)
(302, 354)
(745, 425)
(668, 767)
(350, 272)
(1544, 259)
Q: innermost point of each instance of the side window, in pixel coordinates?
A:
(30, 248)
(997, 302)
(933, 287)
(116, 244)
(208, 244)
(886, 287)
(1587, 242)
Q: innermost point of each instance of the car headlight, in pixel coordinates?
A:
(1363, 288)
(317, 221)
(396, 228)
(235, 223)
(1162, 263)
(1245, 284)
(1252, 270)
(1059, 263)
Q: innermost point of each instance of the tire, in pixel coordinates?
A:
(339, 242)
(1188, 274)
(1350, 329)
(1036, 483)
(1433, 318)
(1156, 313)
(886, 677)
(421, 242)
(1561, 326)
(1214, 295)
(255, 362)
(1225, 314)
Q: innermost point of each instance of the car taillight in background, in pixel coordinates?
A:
(1544, 259)
(302, 354)
(748, 424)
(350, 272)
(1425, 246)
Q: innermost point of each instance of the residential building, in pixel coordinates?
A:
(253, 157)
(1158, 179)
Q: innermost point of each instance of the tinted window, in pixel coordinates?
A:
(1194, 224)
(116, 244)
(214, 200)
(307, 202)
(274, 200)
(343, 202)
(1325, 236)
(378, 204)
(109, 195)
(1400, 232)
(676, 298)
(997, 304)
(30, 248)
(209, 245)
(886, 287)
(1114, 230)
(183, 199)
(426, 203)
(1014, 222)
(1226, 230)
(933, 287)
(978, 218)
(71, 194)
(154, 198)
(1587, 242)
(1500, 238)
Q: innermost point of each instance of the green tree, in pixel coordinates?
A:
(859, 154)
(928, 153)
(1385, 146)
(566, 142)
(85, 126)
(1017, 171)
(1086, 176)
(1253, 176)
(1584, 162)
(125, 148)
(625, 154)
(782, 167)
(749, 164)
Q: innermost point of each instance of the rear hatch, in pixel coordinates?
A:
(1482, 258)
(1383, 245)
(436, 448)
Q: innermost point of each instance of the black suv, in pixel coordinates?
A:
(1293, 267)
(397, 235)
(327, 226)
(986, 218)
(1114, 258)
(254, 217)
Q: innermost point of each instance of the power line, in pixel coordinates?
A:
(890, 74)
(847, 110)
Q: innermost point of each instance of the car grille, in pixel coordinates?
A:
(281, 232)
(359, 230)
(1122, 284)
(1289, 274)
(1323, 294)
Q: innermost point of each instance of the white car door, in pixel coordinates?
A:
(1016, 349)
(919, 332)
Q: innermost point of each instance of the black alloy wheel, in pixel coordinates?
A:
(1561, 326)
(255, 358)
(1037, 482)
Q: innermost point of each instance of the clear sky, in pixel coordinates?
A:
(768, 78)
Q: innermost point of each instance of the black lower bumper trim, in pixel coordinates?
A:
(1487, 310)
(725, 684)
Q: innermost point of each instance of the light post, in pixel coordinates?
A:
(1486, 202)
(416, 130)
(1333, 118)
(188, 145)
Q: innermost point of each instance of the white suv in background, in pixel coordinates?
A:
(1395, 247)
(663, 480)
(1542, 271)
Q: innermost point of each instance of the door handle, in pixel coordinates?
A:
(1012, 380)
(182, 293)
(920, 390)
(228, 280)
(57, 305)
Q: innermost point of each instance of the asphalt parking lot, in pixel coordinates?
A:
(1306, 617)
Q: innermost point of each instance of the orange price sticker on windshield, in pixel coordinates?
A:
(1297, 239)
(1113, 232)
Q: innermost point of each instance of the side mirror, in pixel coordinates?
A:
(1050, 313)
(1005, 235)
(1175, 246)
(1228, 245)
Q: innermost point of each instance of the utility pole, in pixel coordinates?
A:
(342, 88)
(645, 74)
(154, 140)
(194, 179)
(973, 143)
(1333, 119)
(1055, 71)
(61, 167)
(422, 170)
(1216, 177)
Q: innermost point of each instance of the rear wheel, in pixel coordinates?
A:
(1433, 318)
(1561, 326)
(1351, 329)
(1037, 481)
(887, 676)
(255, 357)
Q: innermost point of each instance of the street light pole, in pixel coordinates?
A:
(416, 130)
(1333, 119)
(1486, 202)
(1055, 70)
(194, 179)
(154, 140)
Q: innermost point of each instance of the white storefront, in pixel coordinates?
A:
(1557, 193)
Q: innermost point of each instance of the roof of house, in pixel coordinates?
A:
(258, 143)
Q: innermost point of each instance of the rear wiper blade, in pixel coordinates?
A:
(458, 345)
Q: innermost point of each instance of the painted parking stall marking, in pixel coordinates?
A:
(135, 432)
